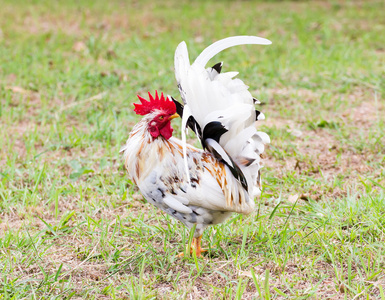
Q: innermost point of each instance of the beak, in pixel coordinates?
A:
(173, 116)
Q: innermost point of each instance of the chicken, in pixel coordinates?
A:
(199, 187)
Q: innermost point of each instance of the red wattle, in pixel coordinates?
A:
(166, 131)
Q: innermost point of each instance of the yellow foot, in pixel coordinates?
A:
(195, 247)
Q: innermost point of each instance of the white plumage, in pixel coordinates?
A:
(210, 96)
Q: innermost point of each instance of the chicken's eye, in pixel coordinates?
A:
(161, 118)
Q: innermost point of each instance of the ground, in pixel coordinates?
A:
(73, 225)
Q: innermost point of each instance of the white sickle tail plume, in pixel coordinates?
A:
(220, 110)
(221, 45)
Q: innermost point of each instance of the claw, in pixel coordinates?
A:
(195, 247)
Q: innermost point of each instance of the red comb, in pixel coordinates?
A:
(162, 103)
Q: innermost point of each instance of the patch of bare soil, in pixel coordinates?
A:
(26, 97)
(16, 134)
(304, 94)
(48, 24)
(366, 113)
(115, 24)
(320, 153)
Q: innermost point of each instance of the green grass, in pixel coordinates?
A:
(73, 225)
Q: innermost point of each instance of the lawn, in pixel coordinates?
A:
(73, 226)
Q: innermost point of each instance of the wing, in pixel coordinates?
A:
(220, 110)
(211, 187)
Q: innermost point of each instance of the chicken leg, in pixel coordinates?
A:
(195, 247)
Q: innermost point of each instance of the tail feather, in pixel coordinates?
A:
(181, 64)
(212, 97)
(221, 45)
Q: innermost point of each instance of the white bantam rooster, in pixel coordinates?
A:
(199, 187)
